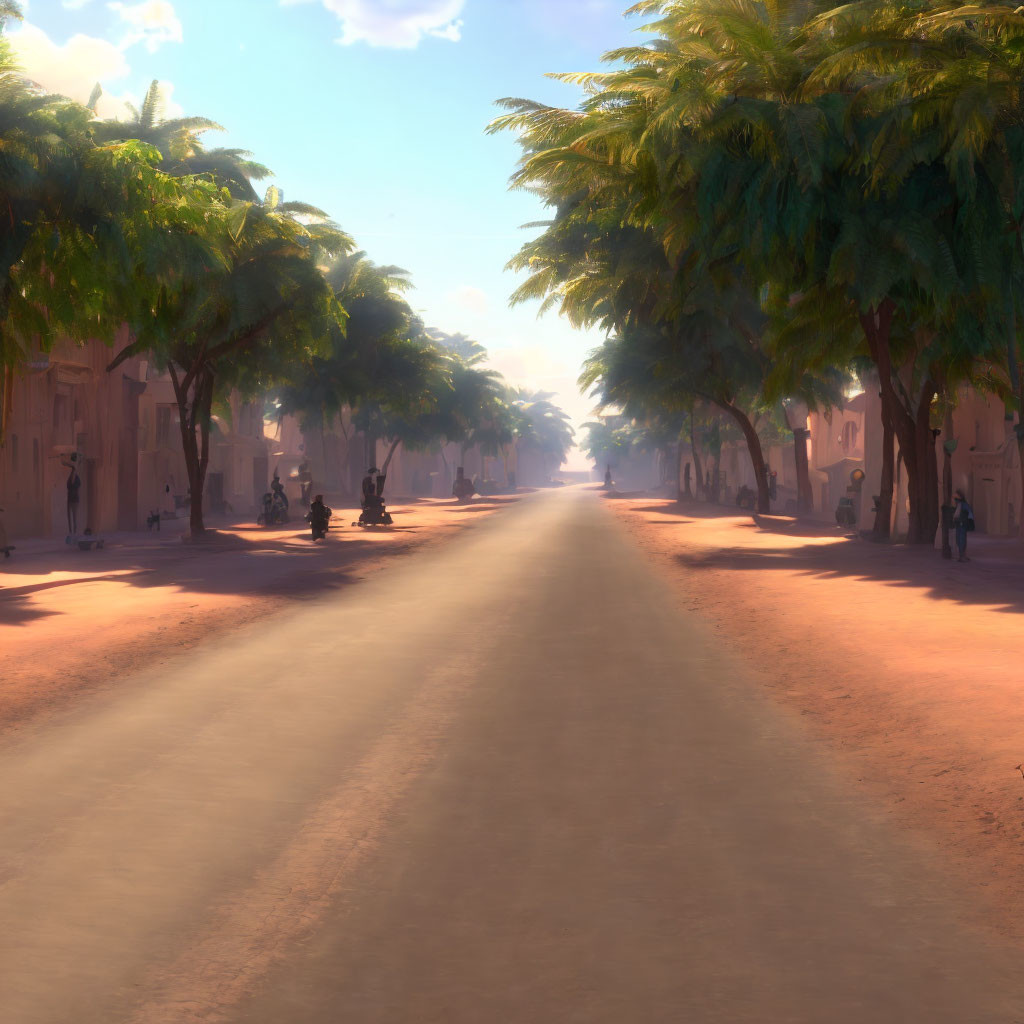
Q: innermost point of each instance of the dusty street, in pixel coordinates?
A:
(74, 622)
(509, 780)
(906, 665)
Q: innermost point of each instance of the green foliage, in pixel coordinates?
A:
(769, 193)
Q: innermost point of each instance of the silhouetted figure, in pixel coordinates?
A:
(462, 489)
(74, 485)
(686, 479)
(608, 476)
(374, 513)
(773, 485)
(305, 483)
(277, 490)
(319, 517)
(963, 520)
(5, 548)
(370, 484)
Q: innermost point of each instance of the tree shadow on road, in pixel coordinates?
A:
(290, 566)
(15, 610)
(998, 584)
(240, 560)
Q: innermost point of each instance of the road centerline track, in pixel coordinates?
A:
(505, 781)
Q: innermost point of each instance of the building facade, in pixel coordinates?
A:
(123, 429)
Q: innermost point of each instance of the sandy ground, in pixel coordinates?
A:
(74, 622)
(908, 666)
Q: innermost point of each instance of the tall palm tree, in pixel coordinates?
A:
(250, 306)
(179, 141)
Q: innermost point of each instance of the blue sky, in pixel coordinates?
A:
(373, 110)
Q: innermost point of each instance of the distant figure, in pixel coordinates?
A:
(277, 490)
(686, 479)
(608, 476)
(773, 485)
(462, 489)
(167, 507)
(370, 486)
(963, 520)
(305, 482)
(74, 485)
(5, 548)
(319, 517)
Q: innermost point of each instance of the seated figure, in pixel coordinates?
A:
(462, 489)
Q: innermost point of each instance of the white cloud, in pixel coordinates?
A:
(71, 69)
(74, 68)
(470, 298)
(153, 22)
(399, 24)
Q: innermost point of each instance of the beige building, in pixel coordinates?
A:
(124, 427)
(67, 402)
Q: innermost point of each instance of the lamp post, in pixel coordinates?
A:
(796, 413)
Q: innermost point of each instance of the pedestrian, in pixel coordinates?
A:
(305, 482)
(74, 484)
(963, 520)
(277, 490)
(319, 517)
(369, 486)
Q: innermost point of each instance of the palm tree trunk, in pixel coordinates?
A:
(1017, 380)
(882, 529)
(192, 416)
(387, 461)
(947, 483)
(912, 428)
(756, 454)
(6, 401)
(804, 498)
(698, 466)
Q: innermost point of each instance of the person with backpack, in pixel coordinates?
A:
(963, 520)
(319, 517)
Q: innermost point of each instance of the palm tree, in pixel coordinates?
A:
(180, 144)
(541, 426)
(250, 306)
(78, 219)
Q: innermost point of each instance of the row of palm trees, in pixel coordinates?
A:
(769, 199)
(138, 222)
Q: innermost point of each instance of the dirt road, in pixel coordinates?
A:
(508, 781)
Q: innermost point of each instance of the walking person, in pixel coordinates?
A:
(963, 520)
(74, 485)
